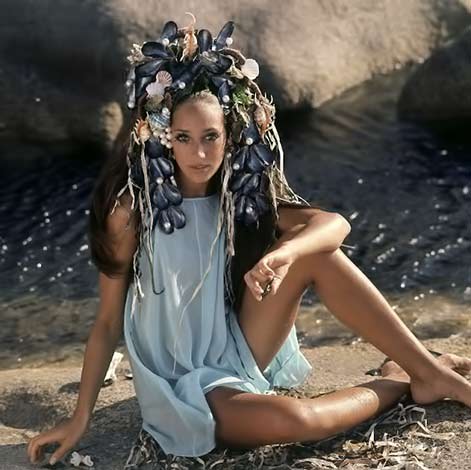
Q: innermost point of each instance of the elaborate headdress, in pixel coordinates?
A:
(180, 62)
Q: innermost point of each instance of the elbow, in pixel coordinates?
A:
(346, 227)
(342, 229)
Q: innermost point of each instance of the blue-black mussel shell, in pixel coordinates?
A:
(260, 157)
(176, 216)
(158, 198)
(172, 194)
(241, 158)
(166, 166)
(154, 148)
(162, 220)
(154, 170)
(205, 40)
(156, 50)
(252, 184)
(238, 180)
(226, 32)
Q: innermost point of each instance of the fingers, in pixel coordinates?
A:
(253, 285)
(60, 452)
(35, 447)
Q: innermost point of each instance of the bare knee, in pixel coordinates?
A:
(252, 420)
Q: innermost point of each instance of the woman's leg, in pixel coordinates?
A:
(355, 301)
(246, 420)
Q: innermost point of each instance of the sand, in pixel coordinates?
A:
(34, 399)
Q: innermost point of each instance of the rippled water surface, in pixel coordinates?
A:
(405, 190)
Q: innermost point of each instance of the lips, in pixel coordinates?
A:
(200, 167)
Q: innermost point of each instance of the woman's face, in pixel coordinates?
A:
(198, 139)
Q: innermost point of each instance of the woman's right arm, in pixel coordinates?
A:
(102, 342)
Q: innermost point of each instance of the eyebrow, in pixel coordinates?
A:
(206, 130)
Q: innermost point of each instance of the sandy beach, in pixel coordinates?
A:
(34, 399)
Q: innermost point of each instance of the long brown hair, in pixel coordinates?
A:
(250, 242)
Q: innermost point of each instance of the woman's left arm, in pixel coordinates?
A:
(312, 230)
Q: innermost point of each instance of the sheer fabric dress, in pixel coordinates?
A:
(182, 345)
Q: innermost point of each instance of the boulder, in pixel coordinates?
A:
(440, 88)
(62, 63)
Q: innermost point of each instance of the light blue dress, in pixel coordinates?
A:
(181, 347)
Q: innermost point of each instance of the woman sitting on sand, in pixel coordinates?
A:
(204, 254)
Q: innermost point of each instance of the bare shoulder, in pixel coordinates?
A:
(121, 227)
(122, 218)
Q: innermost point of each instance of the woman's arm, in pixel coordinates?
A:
(313, 230)
(102, 341)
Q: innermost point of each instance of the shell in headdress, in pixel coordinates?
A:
(159, 121)
(136, 55)
(250, 69)
(156, 90)
(141, 131)
(262, 119)
(189, 41)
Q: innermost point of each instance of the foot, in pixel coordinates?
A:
(447, 382)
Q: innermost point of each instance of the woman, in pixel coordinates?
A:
(204, 254)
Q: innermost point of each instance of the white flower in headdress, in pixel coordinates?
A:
(250, 69)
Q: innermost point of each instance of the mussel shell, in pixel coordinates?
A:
(251, 132)
(264, 154)
(239, 180)
(226, 32)
(176, 216)
(154, 148)
(241, 158)
(169, 31)
(240, 207)
(252, 184)
(172, 194)
(162, 220)
(148, 69)
(250, 217)
(156, 50)
(218, 63)
(158, 198)
(254, 163)
(205, 40)
(141, 84)
(260, 157)
(224, 89)
(166, 166)
(154, 170)
(261, 202)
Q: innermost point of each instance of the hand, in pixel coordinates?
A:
(66, 434)
(448, 382)
(267, 275)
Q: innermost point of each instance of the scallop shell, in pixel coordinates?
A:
(143, 130)
(164, 78)
(155, 89)
(250, 69)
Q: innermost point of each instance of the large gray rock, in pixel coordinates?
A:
(440, 88)
(62, 62)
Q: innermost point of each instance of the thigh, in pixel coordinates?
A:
(247, 420)
(266, 324)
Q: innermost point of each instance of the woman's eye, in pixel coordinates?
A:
(212, 136)
(182, 138)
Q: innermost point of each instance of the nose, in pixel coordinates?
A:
(200, 152)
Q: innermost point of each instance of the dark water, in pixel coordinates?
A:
(405, 190)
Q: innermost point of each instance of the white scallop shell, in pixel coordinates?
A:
(250, 69)
(164, 78)
(155, 89)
